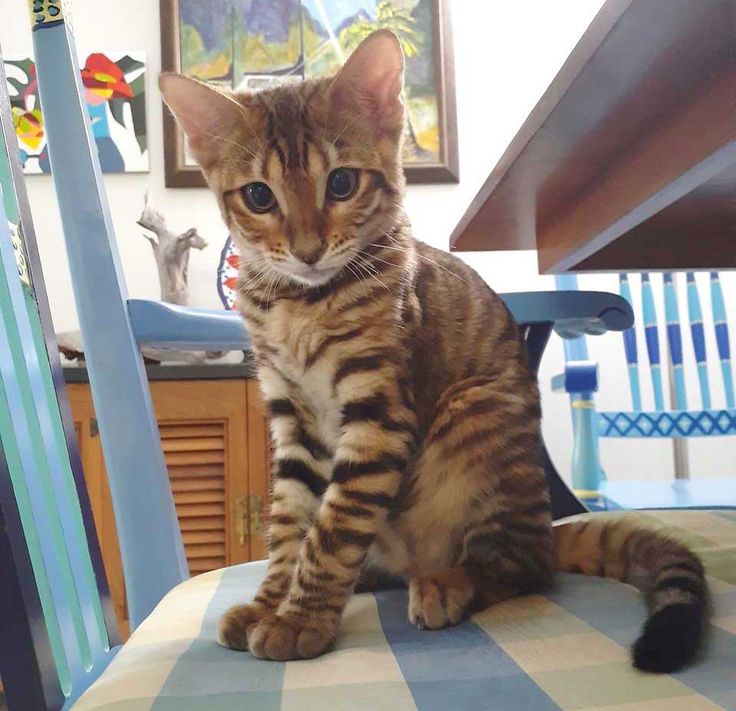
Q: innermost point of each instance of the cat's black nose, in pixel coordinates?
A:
(312, 258)
(309, 254)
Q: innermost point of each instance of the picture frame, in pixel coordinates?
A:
(433, 161)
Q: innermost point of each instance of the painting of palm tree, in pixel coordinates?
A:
(252, 44)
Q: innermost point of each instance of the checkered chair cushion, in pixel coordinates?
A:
(567, 649)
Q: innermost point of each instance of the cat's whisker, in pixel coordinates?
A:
(347, 127)
(420, 256)
(220, 137)
(249, 126)
(372, 257)
(253, 282)
(368, 266)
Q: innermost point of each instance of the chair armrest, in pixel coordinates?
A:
(159, 325)
(573, 313)
(580, 376)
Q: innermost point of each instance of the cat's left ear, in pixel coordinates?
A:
(372, 80)
(206, 115)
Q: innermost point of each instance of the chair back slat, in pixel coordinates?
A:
(42, 477)
(150, 540)
(697, 331)
(674, 340)
(60, 605)
(19, 447)
(630, 348)
(651, 334)
(720, 322)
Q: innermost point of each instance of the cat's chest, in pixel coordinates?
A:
(292, 336)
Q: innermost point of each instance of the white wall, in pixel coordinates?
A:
(504, 62)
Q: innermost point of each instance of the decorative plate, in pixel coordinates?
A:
(227, 274)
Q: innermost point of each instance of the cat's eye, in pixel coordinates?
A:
(258, 197)
(342, 183)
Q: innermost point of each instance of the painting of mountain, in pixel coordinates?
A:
(252, 44)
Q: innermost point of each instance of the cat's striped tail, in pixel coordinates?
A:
(669, 574)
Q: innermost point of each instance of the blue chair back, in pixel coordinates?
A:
(681, 417)
(57, 626)
(684, 413)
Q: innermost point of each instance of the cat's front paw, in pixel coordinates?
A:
(235, 624)
(285, 637)
(439, 600)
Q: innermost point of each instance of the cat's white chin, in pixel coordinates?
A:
(307, 275)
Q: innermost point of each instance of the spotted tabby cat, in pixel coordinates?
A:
(405, 420)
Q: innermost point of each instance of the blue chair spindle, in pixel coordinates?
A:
(580, 380)
(721, 332)
(674, 340)
(697, 331)
(630, 347)
(651, 333)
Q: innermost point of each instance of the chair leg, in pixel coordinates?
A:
(564, 502)
(586, 467)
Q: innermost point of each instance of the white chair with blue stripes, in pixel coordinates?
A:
(674, 415)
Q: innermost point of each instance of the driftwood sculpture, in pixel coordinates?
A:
(171, 252)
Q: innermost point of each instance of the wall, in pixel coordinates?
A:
(506, 53)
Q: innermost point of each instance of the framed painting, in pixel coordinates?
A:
(252, 44)
(115, 91)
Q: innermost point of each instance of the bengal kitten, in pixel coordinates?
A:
(404, 417)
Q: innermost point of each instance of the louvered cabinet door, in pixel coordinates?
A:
(214, 438)
(259, 470)
(204, 430)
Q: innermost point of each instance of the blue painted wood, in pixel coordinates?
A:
(24, 396)
(630, 348)
(697, 330)
(677, 423)
(28, 661)
(674, 339)
(579, 377)
(16, 198)
(562, 501)
(150, 541)
(701, 493)
(722, 339)
(586, 469)
(34, 664)
(658, 423)
(573, 313)
(651, 334)
(576, 349)
(160, 325)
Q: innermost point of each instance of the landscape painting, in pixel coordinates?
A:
(114, 89)
(252, 44)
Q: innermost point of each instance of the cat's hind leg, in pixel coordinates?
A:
(475, 515)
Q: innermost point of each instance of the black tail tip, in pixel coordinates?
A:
(671, 639)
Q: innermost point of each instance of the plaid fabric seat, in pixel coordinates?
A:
(567, 649)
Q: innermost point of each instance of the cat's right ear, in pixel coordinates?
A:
(205, 114)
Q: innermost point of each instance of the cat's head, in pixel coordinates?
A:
(307, 174)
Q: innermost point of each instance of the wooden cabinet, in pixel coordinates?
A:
(214, 437)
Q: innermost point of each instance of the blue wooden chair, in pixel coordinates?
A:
(677, 420)
(57, 628)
